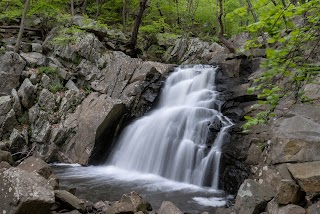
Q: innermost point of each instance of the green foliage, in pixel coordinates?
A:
(47, 70)
(67, 36)
(56, 87)
(295, 33)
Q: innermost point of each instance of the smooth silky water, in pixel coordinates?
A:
(165, 154)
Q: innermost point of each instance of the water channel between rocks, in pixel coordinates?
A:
(172, 153)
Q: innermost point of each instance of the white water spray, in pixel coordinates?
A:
(172, 140)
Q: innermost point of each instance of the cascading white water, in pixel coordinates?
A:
(172, 140)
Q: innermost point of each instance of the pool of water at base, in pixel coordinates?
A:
(109, 183)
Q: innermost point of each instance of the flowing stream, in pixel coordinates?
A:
(167, 152)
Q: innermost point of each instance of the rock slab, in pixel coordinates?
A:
(24, 193)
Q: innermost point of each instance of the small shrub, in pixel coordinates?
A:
(55, 87)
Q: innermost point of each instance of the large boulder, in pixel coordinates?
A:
(34, 59)
(307, 175)
(296, 137)
(27, 93)
(24, 193)
(97, 116)
(288, 192)
(33, 164)
(168, 207)
(253, 197)
(11, 67)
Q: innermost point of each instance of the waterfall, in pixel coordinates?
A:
(171, 141)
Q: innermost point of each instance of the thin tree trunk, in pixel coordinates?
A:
(178, 13)
(224, 41)
(99, 4)
(124, 15)
(72, 7)
(84, 6)
(23, 19)
(137, 22)
(255, 18)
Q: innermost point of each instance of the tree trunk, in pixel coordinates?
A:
(23, 19)
(255, 18)
(224, 41)
(178, 13)
(72, 7)
(137, 22)
(99, 4)
(84, 6)
(124, 15)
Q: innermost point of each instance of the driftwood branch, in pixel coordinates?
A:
(18, 27)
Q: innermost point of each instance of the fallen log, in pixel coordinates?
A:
(18, 27)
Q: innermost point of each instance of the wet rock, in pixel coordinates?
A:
(307, 175)
(34, 59)
(6, 156)
(288, 193)
(11, 67)
(24, 192)
(139, 204)
(168, 207)
(231, 68)
(33, 164)
(253, 197)
(27, 93)
(69, 200)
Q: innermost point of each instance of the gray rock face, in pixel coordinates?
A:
(126, 78)
(168, 207)
(252, 197)
(11, 67)
(192, 51)
(18, 143)
(34, 59)
(32, 164)
(5, 105)
(87, 46)
(297, 137)
(95, 114)
(69, 200)
(307, 175)
(40, 124)
(47, 100)
(24, 193)
(27, 93)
